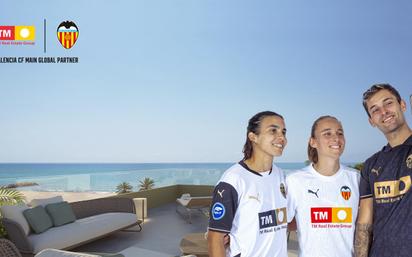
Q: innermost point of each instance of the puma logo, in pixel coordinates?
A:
(220, 193)
(315, 193)
(254, 197)
(376, 171)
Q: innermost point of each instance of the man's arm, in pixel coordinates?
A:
(363, 232)
(216, 244)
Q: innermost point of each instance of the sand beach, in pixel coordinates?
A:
(67, 196)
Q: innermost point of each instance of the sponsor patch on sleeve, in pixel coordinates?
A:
(218, 211)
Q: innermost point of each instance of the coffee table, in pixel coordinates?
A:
(194, 243)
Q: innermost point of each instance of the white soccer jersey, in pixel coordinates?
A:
(251, 207)
(325, 208)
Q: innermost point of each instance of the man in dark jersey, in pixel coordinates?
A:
(384, 225)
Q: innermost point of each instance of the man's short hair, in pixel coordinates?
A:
(376, 88)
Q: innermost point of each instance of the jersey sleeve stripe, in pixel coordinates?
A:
(218, 230)
(365, 196)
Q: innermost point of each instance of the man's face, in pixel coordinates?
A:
(385, 111)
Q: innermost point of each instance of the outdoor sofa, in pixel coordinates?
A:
(95, 219)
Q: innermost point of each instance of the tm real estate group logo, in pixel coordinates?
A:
(17, 35)
(67, 35)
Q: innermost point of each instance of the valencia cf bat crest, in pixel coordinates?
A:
(283, 190)
(67, 33)
(409, 161)
(345, 192)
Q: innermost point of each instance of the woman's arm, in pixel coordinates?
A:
(216, 244)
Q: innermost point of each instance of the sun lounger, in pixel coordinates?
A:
(190, 204)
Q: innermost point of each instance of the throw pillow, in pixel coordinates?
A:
(45, 201)
(61, 213)
(15, 213)
(38, 219)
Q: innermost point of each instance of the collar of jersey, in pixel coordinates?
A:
(244, 165)
(312, 170)
(408, 141)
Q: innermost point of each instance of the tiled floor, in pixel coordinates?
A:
(162, 232)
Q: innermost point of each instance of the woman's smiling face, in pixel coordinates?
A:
(329, 139)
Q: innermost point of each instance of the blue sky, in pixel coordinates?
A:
(176, 81)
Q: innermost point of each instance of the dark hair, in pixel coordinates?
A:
(312, 152)
(254, 126)
(376, 88)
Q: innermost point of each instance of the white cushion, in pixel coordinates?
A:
(15, 213)
(184, 199)
(45, 201)
(182, 202)
(185, 196)
(81, 230)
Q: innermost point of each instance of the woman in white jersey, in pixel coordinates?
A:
(323, 197)
(249, 201)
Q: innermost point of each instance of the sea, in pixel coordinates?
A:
(104, 177)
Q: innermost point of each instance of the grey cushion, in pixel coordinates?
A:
(60, 213)
(38, 219)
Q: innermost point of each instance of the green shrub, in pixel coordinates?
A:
(9, 196)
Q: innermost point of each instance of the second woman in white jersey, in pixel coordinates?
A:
(323, 197)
